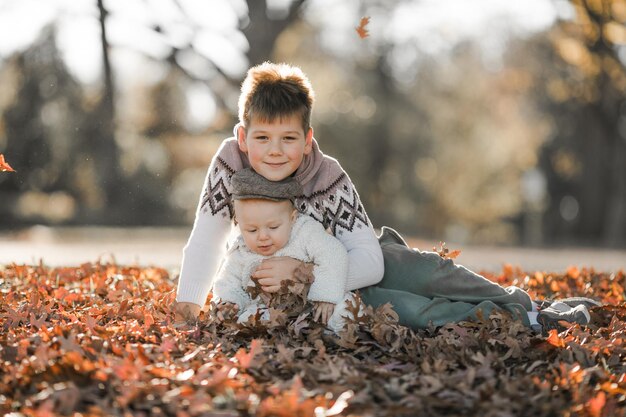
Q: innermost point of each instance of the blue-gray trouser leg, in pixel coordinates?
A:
(418, 312)
(424, 287)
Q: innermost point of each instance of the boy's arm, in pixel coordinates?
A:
(330, 261)
(366, 265)
(207, 243)
(348, 221)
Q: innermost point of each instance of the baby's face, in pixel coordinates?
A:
(265, 225)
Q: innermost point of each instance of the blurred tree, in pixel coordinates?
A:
(437, 151)
(164, 108)
(583, 84)
(103, 147)
(112, 177)
(265, 26)
(41, 122)
(482, 136)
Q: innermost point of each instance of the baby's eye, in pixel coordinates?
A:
(251, 230)
(273, 227)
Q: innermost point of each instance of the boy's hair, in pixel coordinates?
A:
(275, 90)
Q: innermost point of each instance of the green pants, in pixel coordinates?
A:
(425, 288)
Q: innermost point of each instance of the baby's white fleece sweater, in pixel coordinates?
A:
(308, 242)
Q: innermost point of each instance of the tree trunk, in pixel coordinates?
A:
(262, 31)
(106, 152)
(615, 224)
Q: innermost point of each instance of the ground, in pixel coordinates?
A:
(99, 339)
(163, 247)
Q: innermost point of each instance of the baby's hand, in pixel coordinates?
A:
(185, 312)
(322, 311)
(226, 310)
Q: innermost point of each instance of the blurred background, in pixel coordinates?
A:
(477, 122)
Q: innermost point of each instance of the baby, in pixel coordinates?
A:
(270, 226)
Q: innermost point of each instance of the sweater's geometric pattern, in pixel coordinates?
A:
(217, 194)
(337, 207)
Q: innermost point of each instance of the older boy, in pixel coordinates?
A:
(274, 137)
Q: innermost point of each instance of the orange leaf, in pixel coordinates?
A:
(245, 359)
(148, 321)
(554, 286)
(167, 345)
(596, 404)
(573, 272)
(4, 166)
(555, 340)
(361, 29)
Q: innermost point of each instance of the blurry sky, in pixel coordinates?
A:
(212, 27)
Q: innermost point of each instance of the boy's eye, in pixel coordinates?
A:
(261, 137)
(290, 138)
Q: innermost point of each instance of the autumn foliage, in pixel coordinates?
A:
(362, 30)
(4, 166)
(99, 339)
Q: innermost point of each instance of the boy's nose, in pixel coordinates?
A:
(276, 148)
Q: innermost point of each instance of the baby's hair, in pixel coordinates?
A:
(273, 91)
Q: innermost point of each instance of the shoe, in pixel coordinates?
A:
(570, 301)
(550, 317)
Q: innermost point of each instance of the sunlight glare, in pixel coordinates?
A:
(15, 34)
(78, 40)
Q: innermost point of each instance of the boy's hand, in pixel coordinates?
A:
(185, 312)
(322, 311)
(272, 272)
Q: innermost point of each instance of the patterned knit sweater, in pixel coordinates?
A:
(329, 196)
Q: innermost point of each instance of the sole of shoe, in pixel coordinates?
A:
(570, 301)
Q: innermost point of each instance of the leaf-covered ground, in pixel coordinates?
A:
(99, 340)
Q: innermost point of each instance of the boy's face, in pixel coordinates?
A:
(265, 225)
(275, 149)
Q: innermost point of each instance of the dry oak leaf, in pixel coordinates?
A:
(361, 30)
(555, 340)
(446, 253)
(596, 404)
(4, 166)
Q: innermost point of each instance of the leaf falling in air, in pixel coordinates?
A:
(362, 30)
(4, 166)
(446, 253)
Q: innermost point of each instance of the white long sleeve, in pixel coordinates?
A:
(201, 258)
(207, 243)
(365, 259)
